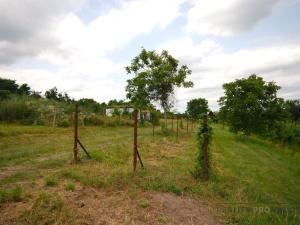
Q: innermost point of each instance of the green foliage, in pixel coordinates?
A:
(196, 108)
(251, 105)
(156, 76)
(91, 105)
(9, 85)
(18, 109)
(155, 117)
(204, 131)
(294, 109)
(58, 96)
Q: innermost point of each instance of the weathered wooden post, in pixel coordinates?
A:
(54, 118)
(172, 121)
(135, 139)
(177, 129)
(187, 125)
(153, 128)
(75, 148)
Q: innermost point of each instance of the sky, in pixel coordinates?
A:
(82, 46)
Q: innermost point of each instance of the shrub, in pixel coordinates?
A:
(203, 163)
(18, 110)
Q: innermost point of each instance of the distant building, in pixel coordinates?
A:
(111, 110)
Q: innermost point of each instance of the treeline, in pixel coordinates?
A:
(251, 106)
(19, 103)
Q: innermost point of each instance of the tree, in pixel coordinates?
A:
(24, 89)
(8, 85)
(36, 94)
(251, 105)
(58, 96)
(52, 94)
(156, 76)
(90, 105)
(294, 109)
(196, 108)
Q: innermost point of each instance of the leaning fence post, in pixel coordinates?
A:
(135, 139)
(187, 125)
(75, 148)
(177, 129)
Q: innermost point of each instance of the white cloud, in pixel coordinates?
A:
(26, 27)
(227, 17)
(79, 53)
(212, 66)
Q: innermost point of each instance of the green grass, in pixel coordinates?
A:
(11, 195)
(50, 182)
(70, 186)
(246, 171)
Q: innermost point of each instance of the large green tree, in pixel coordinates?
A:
(155, 78)
(251, 105)
(294, 109)
(196, 108)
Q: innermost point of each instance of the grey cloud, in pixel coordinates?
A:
(245, 14)
(241, 16)
(26, 26)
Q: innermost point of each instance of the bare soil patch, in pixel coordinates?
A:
(91, 206)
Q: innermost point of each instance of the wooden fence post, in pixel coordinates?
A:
(187, 125)
(153, 126)
(75, 148)
(135, 139)
(177, 129)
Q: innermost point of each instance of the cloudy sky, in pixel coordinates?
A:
(82, 46)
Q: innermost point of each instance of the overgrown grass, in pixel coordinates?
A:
(11, 195)
(246, 171)
(48, 209)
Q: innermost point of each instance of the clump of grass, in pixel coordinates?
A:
(143, 203)
(70, 187)
(48, 209)
(174, 189)
(11, 195)
(51, 182)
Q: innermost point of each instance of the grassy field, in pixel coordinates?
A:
(252, 182)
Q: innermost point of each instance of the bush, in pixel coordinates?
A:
(18, 110)
(63, 123)
(284, 133)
